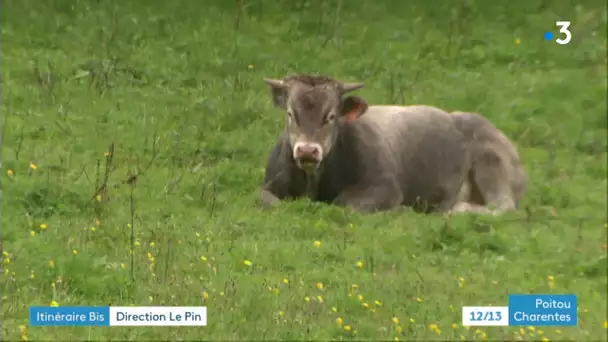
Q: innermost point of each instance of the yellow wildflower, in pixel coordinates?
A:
(123, 266)
(54, 303)
(395, 320)
(205, 295)
(152, 244)
(435, 328)
(412, 321)
(247, 262)
(9, 172)
(359, 264)
(203, 258)
(320, 286)
(396, 338)
(307, 299)
(33, 166)
(33, 233)
(43, 226)
(605, 324)
(339, 320)
(365, 305)
(348, 327)
(222, 293)
(51, 263)
(285, 281)
(354, 287)
(517, 41)
(334, 309)
(360, 297)
(461, 282)
(454, 326)
(320, 299)
(544, 339)
(317, 243)
(419, 300)
(75, 251)
(93, 229)
(377, 302)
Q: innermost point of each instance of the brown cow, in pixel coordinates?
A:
(496, 181)
(370, 158)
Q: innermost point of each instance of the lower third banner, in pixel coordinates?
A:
(106, 316)
(543, 310)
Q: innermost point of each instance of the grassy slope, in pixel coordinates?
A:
(187, 95)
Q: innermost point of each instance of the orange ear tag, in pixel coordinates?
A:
(352, 115)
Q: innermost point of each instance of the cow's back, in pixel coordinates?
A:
(429, 152)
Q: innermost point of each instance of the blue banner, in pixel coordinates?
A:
(70, 316)
(543, 310)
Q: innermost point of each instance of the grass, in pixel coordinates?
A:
(162, 106)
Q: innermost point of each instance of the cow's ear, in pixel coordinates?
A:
(279, 91)
(353, 107)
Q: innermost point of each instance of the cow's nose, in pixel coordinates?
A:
(305, 150)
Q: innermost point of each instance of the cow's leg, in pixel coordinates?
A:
(492, 178)
(467, 207)
(377, 196)
(268, 199)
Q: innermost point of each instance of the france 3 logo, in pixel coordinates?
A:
(564, 29)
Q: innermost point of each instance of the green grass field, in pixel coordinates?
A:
(163, 107)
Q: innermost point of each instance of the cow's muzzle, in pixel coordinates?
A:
(307, 155)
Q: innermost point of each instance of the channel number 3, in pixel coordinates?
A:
(563, 28)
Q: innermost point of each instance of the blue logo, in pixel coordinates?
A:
(549, 35)
(69, 316)
(543, 310)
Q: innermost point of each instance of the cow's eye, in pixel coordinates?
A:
(290, 117)
(329, 118)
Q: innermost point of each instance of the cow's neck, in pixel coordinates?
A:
(312, 184)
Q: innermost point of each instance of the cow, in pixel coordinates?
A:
(496, 180)
(342, 151)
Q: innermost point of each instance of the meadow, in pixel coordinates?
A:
(135, 136)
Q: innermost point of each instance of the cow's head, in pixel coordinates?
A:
(314, 106)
